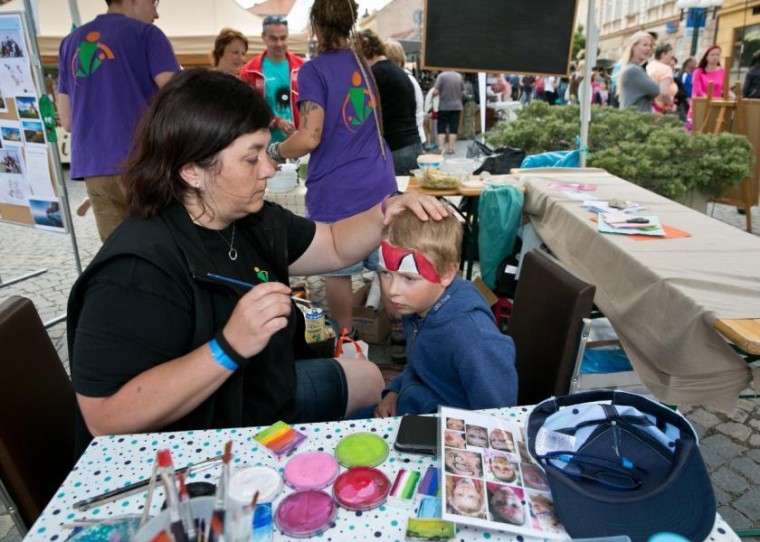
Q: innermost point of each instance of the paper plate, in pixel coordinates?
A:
(361, 450)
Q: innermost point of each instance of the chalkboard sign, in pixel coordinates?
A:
(512, 36)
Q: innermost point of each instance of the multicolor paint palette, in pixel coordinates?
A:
(361, 450)
(280, 438)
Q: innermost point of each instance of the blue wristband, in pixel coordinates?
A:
(221, 357)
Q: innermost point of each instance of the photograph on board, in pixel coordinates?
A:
(47, 214)
(10, 134)
(34, 132)
(10, 161)
(27, 107)
(3, 104)
(11, 45)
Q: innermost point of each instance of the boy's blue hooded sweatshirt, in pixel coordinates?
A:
(456, 356)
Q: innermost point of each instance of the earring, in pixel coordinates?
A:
(197, 185)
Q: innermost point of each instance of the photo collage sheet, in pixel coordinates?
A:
(25, 178)
(489, 478)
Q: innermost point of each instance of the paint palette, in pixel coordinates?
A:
(361, 488)
(361, 450)
(311, 470)
(280, 438)
(305, 513)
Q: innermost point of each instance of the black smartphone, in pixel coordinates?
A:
(417, 435)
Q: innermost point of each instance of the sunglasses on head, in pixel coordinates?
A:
(275, 19)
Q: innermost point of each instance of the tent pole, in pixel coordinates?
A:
(592, 40)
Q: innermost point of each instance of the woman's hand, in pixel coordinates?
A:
(258, 315)
(425, 207)
(387, 406)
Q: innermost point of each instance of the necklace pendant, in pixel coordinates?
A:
(232, 254)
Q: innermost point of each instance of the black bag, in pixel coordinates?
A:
(498, 161)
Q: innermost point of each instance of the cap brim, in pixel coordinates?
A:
(681, 505)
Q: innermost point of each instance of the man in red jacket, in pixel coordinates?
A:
(274, 73)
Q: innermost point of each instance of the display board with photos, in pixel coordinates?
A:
(490, 480)
(28, 191)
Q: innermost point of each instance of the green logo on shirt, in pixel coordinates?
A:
(90, 55)
(358, 105)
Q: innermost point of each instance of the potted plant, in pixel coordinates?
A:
(652, 151)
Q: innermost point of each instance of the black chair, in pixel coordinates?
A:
(547, 325)
(37, 422)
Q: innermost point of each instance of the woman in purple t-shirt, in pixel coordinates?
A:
(350, 168)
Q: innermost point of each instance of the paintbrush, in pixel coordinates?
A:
(169, 479)
(216, 531)
(213, 277)
(185, 512)
(137, 487)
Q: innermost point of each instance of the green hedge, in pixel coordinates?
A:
(653, 151)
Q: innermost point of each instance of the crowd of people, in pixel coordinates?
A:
(156, 342)
(176, 164)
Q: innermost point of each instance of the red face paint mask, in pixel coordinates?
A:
(407, 261)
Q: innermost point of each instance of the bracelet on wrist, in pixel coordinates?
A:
(274, 152)
(225, 355)
(384, 203)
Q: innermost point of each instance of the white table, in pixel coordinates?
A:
(111, 462)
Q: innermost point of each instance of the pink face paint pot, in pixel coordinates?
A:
(305, 513)
(361, 488)
(311, 470)
(361, 450)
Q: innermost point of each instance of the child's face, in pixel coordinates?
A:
(506, 506)
(466, 497)
(410, 293)
(404, 281)
(502, 469)
(476, 436)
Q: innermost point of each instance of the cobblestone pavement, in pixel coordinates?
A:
(730, 442)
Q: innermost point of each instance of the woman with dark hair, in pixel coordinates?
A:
(708, 71)
(156, 341)
(230, 47)
(350, 167)
(751, 87)
(660, 71)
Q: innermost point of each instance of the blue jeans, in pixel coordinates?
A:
(321, 391)
(405, 158)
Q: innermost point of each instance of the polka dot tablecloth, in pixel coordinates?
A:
(116, 461)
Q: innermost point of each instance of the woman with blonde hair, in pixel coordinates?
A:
(395, 53)
(636, 88)
(228, 55)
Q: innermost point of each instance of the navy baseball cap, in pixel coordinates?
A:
(621, 464)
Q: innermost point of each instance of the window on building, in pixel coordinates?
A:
(633, 7)
(746, 44)
(608, 11)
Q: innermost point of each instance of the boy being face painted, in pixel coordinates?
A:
(409, 279)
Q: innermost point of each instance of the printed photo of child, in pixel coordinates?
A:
(463, 463)
(476, 436)
(502, 440)
(502, 469)
(453, 439)
(505, 504)
(455, 424)
(465, 496)
(543, 513)
(534, 477)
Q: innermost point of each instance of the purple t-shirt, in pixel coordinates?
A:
(106, 67)
(347, 173)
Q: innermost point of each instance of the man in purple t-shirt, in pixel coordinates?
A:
(108, 70)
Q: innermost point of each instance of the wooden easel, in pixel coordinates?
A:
(724, 109)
